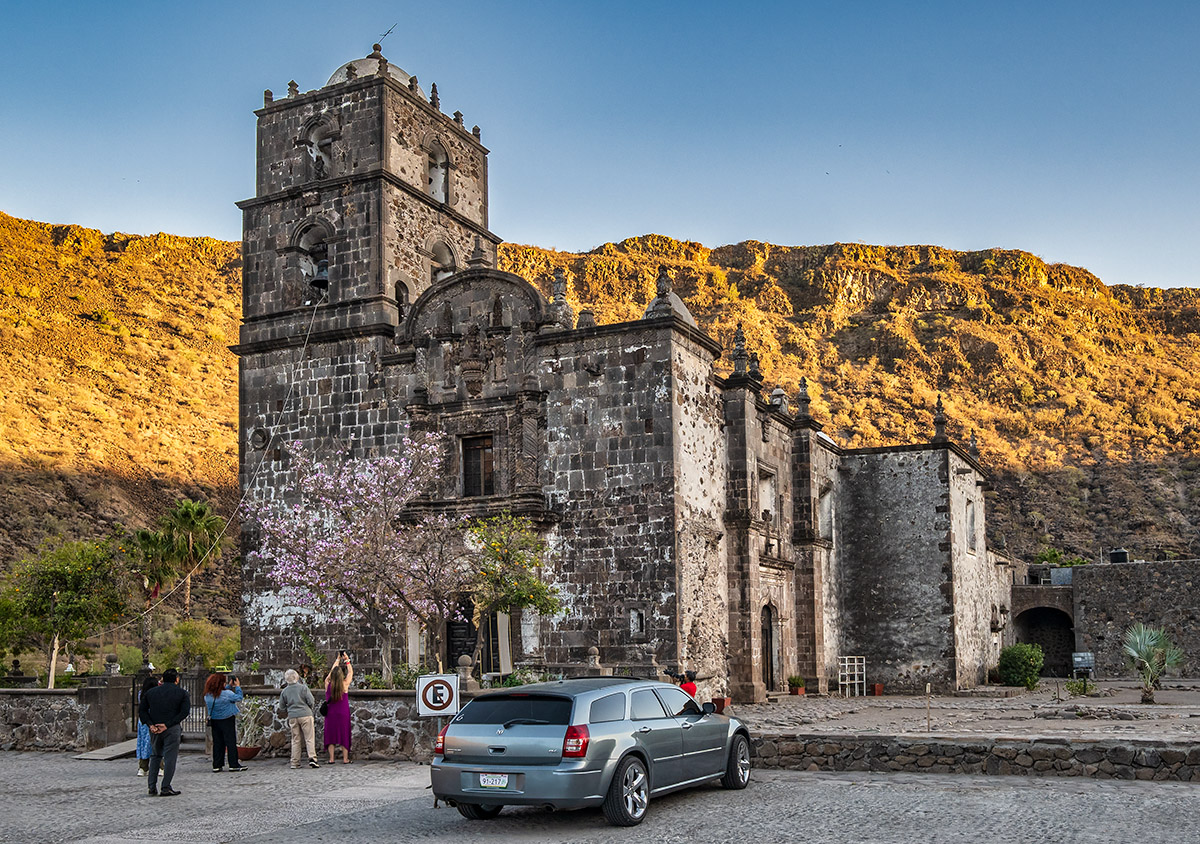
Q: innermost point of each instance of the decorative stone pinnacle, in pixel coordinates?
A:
(779, 399)
(351, 72)
(559, 288)
(939, 422)
(663, 285)
(293, 89)
(973, 446)
(802, 399)
(383, 67)
(433, 96)
(376, 51)
(412, 84)
(475, 132)
(458, 118)
(478, 256)
(739, 351)
(754, 370)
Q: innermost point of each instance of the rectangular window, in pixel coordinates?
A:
(477, 466)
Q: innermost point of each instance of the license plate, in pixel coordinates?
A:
(493, 780)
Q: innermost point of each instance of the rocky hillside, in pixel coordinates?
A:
(121, 395)
(122, 392)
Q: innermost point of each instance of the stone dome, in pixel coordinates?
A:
(369, 66)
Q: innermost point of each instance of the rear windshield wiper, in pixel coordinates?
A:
(511, 721)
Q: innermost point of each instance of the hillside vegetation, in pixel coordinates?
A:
(122, 393)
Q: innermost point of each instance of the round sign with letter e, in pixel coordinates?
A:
(437, 695)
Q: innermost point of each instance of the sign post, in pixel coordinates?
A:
(437, 695)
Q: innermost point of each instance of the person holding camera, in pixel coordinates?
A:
(298, 701)
(337, 707)
(221, 700)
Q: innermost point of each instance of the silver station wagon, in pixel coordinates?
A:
(597, 741)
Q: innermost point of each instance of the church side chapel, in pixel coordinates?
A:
(698, 521)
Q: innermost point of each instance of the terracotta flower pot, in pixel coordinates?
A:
(247, 753)
(796, 690)
(720, 703)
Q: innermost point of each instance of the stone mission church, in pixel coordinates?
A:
(698, 521)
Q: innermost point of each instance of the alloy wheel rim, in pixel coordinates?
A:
(634, 788)
(743, 761)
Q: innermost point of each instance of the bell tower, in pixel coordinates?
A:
(365, 193)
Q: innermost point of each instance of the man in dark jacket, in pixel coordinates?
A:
(162, 710)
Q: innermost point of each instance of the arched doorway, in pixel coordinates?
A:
(1052, 629)
(770, 648)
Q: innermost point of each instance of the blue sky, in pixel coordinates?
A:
(1070, 130)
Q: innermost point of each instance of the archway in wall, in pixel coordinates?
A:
(770, 649)
(1052, 629)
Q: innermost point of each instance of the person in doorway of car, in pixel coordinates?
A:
(298, 701)
(336, 732)
(689, 683)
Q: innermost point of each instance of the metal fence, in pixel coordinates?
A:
(193, 683)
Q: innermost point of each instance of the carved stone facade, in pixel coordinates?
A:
(697, 522)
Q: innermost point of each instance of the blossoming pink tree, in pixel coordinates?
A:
(341, 540)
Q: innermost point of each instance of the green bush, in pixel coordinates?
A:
(129, 657)
(1021, 665)
(1078, 688)
(189, 642)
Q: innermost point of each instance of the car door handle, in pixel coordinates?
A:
(687, 725)
(644, 730)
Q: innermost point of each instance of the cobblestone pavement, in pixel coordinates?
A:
(1115, 711)
(53, 798)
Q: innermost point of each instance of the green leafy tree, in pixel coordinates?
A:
(1151, 654)
(509, 560)
(193, 532)
(68, 593)
(153, 566)
(195, 641)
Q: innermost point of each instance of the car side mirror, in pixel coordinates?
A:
(709, 708)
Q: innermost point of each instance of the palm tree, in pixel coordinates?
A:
(193, 532)
(1151, 653)
(154, 566)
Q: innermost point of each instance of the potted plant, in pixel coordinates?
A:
(795, 684)
(250, 732)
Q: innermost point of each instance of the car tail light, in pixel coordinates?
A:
(439, 746)
(575, 742)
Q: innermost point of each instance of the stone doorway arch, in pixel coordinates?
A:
(1052, 629)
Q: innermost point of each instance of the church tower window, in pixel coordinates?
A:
(478, 477)
(439, 172)
(441, 262)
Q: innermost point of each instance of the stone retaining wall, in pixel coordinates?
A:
(383, 725)
(1108, 759)
(42, 719)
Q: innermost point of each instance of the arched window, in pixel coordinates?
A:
(438, 172)
(441, 262)
(314, 262)
(401, 292)
(317, 137)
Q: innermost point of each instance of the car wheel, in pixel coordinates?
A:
(737, 769)
(629, 794)
(476, 812)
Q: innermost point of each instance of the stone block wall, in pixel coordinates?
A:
(1109, 598)
(76, 719)
(1125, 760)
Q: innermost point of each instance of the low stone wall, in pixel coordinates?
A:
(1116, 759)
(383, 725)
(42, 719)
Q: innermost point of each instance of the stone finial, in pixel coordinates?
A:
(558, 289)
(739, 352)
(433, 96)
(973, 446)
(662, 286)
(412, 84)
(587, 319)
(779, 400)
(383, 68)
(478, 257)
(268, 97)
(458, 118)
(293, 89)
(351, 72)
(755, 372)
(466, 681)
(803, 402)
(564, 314)
(112, 665)
(376, 51)
(939, 422)
(475, 132)
(593, 657)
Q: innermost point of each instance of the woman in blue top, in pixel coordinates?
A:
(143, 739)
(221, 701)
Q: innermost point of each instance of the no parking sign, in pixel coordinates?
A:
(437, 695)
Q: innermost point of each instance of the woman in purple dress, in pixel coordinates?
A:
(337, 717)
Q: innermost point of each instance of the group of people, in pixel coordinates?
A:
(163, 706)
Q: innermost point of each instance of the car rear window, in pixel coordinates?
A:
(500, 709)
(608, 708)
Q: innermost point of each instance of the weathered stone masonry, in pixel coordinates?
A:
(698, 522)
